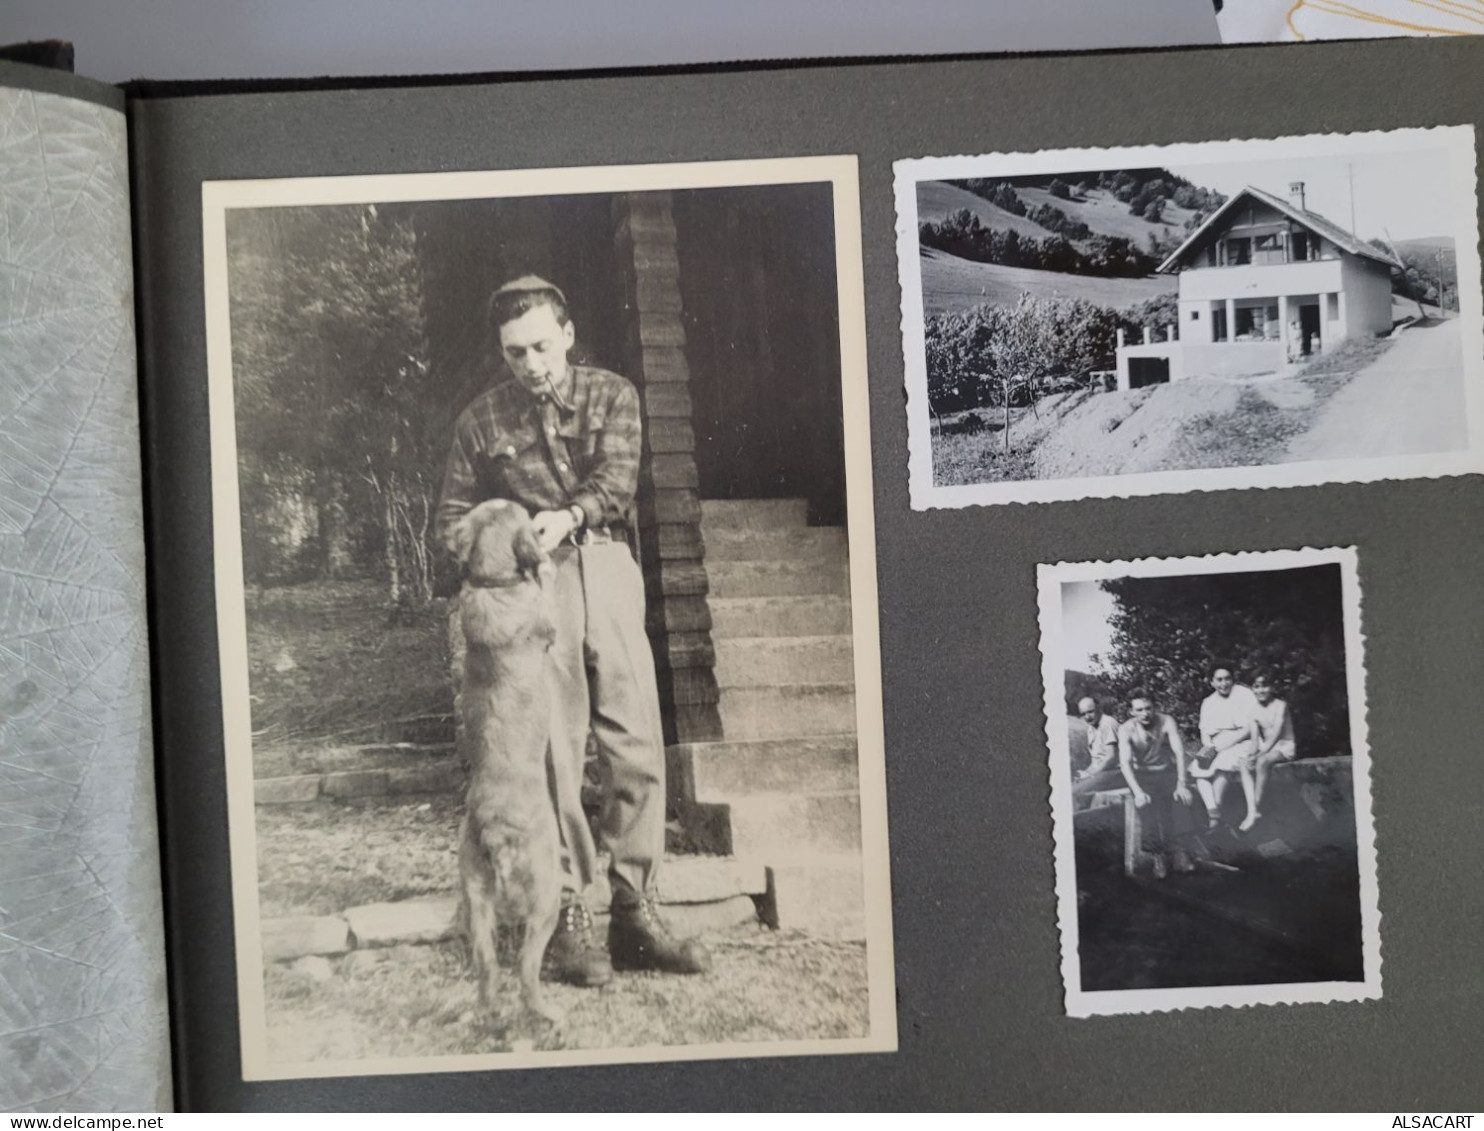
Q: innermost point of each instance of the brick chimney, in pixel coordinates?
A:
(1296, 195)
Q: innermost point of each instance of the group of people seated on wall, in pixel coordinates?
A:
(1244, 733)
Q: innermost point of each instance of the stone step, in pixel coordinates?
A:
(694, 879)
(823, 894)
(778, 579)
(812, 543)
(695, 893)
(740, 617)
(379, 755)
(763, 661)
(778, 828)
(720, 772)
(753, 514)
(421, 729)
(433, 775)
(787, 712)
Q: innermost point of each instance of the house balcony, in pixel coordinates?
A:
(1261, 280)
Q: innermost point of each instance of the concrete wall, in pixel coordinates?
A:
(1232, 359)
(1171, 351)
(1196, 320)
(1367, 290)
(1261, 280)
(1206, 359)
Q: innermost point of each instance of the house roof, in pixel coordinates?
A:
(1311, 220)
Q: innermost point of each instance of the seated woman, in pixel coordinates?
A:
(1274, 732)
(1229, 741)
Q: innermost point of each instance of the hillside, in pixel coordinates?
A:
(937, 199)
(1434, 256)
(1106, 215)
(1099, 209)
(950, 284)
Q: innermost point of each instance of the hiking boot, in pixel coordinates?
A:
(637, 940)
(572, 955)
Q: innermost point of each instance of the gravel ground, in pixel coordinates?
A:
(421, 1001)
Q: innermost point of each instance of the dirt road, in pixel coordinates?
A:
(1410, 401)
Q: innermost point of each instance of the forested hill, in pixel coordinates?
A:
(1115, 223)
(1432, 270)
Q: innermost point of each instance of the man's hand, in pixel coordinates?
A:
(552, 527)
(1141, 799)
(1182, 794)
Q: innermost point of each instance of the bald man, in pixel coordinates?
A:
(1101, 771)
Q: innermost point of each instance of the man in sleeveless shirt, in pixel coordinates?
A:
(1151, 756)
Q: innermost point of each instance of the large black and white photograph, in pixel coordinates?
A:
(547, 617)
(1267, 313)
(1205, 720)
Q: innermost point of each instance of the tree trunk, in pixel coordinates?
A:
(326, 522)
(395, 592)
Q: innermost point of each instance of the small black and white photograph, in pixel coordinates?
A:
(1268, 313)
(547, 617)
(1205, 720)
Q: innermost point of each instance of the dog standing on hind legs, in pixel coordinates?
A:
(509, 843)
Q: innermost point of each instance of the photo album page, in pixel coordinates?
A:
(916, 584)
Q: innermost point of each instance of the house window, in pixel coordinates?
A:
(1268, 249)
(1195, 315)
(1298, 244)
(1238, 252)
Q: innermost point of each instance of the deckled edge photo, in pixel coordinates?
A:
(839, 171)
(925, 493)
(1082, 1004)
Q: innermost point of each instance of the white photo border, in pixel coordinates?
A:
(842, 173)
(1457, 141)
(1081, 1003)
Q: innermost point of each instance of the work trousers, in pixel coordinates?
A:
(602, 678)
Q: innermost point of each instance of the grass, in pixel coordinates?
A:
(326, 659)
(963, 458)
(937, 199)
(1353, 355)
(1105, 214)
(420, 1001)
(1257, 433)
(950, 285)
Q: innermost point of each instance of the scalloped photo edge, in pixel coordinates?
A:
(1055, 663)
(1453, 147)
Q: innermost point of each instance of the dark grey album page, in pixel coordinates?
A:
(982, 1009)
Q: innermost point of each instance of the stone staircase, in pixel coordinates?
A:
(781, 789)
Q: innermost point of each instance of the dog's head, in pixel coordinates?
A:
(496, 544)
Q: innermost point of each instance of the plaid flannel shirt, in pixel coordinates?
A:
(546, 453)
